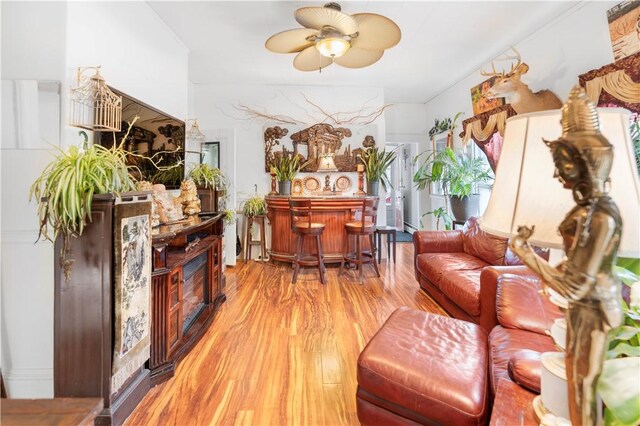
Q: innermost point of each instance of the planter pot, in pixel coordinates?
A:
(284, 187)
(463, 208)
(373, 187)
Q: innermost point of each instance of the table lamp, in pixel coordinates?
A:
(568, 179)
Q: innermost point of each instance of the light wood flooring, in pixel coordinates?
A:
(284, 354)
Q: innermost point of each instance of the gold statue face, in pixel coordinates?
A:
(567, 162)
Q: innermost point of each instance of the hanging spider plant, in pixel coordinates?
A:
(66, 187)
(208, 177)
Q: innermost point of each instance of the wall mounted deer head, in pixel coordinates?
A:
(518, 94)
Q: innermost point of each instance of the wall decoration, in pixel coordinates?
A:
(296, 187)
(487, 131)
(478, 100)
(132, 290)
(624, 28)
(518, 94)
(616, 84)
(310, 143)
(343, 183)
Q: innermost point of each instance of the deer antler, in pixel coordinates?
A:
(506, 57)
(491, 74)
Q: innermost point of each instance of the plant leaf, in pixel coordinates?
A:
(619, 387)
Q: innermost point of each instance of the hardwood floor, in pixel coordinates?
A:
(282, 353)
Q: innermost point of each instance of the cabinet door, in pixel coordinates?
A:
(215, 269)
(175, 309)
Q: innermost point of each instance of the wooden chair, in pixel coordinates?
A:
(301, 225)
(364, 227)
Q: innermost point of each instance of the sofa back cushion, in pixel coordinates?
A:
(485, 246)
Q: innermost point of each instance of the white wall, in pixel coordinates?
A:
(572, 44)
(47, 41)
(215, 108)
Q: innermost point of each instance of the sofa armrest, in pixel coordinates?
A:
(488, 289)
(520, 304)
(437, 242)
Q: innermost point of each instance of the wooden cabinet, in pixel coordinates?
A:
(187, 289)
(84, 315)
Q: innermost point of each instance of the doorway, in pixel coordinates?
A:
(403, 201)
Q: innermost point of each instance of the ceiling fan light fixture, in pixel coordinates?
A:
(332, 47)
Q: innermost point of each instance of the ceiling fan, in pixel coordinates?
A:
(329, 35)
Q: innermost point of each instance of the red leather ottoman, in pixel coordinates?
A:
(423, 368)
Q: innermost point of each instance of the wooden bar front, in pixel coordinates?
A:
(333, 211)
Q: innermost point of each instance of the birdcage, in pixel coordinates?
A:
(93, 105)
(194, 133)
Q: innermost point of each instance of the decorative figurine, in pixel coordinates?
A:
(591, 234)
(164, 206)
(327, 183)
(189, 198)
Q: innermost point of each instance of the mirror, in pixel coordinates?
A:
(210, 154)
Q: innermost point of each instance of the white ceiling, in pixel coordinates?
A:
(442, 42)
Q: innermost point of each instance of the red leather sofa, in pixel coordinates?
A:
(422, 368)
(457, 269)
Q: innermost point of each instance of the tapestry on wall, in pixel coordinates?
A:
(487, 131)
(616, 84)
(132, 290)
(624, 28)
(310, 143)
(479, 102)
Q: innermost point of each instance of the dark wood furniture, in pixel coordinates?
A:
(187, 288)
(389, 231)
(513, 405)
(249, 242)
(333, 211)
(302, 226)
(57, 411)
(364, 227)
(84, 318)
(211, 200)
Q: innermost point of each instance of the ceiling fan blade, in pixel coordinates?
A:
(310, 60)
(318, 17)
(376, 32)
(290, 41)
(359, 58)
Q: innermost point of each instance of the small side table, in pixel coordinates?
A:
(388, 231)
(57, 411)
(250, 242)
(457, 223)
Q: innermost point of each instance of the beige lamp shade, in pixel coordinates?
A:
(525, 191)
(326, 163)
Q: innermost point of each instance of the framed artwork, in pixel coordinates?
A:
(211, 154)
(479, 102)
(624, 28)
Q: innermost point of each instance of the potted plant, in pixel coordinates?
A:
(286, 167)
(254, 206)
(458, 174)
(212, 186)
(66, 188)
(376, 163)
(447, 125)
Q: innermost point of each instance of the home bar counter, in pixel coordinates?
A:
(332, 210)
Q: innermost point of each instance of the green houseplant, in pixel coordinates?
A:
(212, 183)
(376, 163)
(286, 167)
(254, 206)
(457, 173)
(65, 189)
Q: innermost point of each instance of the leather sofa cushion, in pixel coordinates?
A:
(436, 265)
(478, 243)
(525, 369)
(429, 364)
(504, 343)
(519, 304)
(463, 288)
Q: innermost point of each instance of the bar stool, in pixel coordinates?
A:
(391, 234)
(301, 225)
(250, 242)
(362, 228)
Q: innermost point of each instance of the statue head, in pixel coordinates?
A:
(582, 155)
